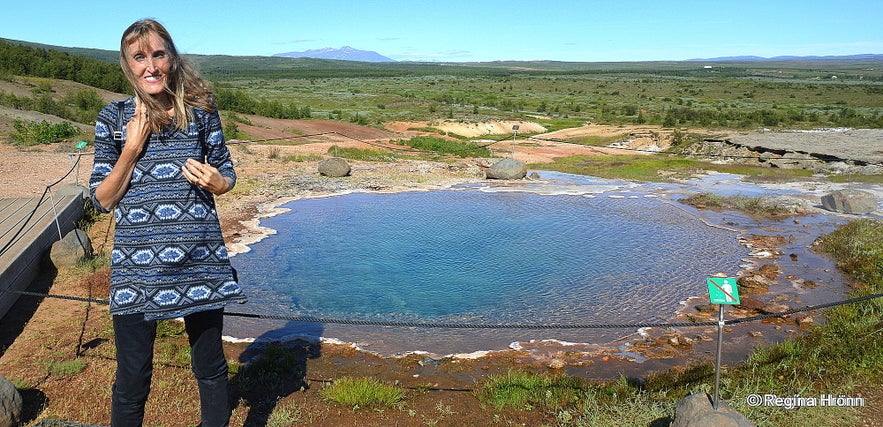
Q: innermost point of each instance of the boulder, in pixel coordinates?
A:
(507, 169)
(71, 249)
(697, 410)
(10, 404)
(850, 201)
(334, 167)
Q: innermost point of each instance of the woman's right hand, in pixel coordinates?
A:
(138, 128)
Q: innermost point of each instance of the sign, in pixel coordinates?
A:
(81, 145)
(723, 290)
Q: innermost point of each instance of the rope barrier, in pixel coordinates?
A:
(358, 322)
(46, 191)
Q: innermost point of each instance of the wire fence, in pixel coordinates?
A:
(448, 325)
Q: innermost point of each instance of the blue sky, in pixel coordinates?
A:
(476, 30)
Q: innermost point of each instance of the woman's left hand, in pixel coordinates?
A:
(205, 176)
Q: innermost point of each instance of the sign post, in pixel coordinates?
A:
(80, 146)
(721, 291)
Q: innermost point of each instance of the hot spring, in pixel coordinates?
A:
(571, 250)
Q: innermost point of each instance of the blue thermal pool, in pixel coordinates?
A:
(588, 252)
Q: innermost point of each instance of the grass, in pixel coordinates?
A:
(732, 96)
(362, 393)
(66, 368)
(442, 146)
(271, 370)
(366, 154)
(661, 168)
(627, 167)
(526, 390)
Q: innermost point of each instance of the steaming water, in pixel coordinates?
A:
(579, 250)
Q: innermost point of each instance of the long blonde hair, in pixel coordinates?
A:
(186, 88)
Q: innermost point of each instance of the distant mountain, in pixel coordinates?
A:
(863, 57)
(345, 53)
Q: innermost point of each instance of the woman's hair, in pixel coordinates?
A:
(186, 88)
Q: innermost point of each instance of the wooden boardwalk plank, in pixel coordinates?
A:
(27, 230)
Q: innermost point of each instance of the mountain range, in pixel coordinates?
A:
(345, 53)
(862, 57)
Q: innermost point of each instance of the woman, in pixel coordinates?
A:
(159, 160)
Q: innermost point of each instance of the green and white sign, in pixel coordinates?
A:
(723, 290)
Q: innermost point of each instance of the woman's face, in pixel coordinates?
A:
(150, 64)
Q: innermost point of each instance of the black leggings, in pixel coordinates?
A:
(134, 338)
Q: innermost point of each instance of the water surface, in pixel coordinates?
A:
(572, 250)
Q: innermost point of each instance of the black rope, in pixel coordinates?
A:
(33, 212)
(358, 322)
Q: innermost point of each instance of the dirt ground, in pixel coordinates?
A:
(438, 392)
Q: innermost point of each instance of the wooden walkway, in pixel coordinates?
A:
(27, 231)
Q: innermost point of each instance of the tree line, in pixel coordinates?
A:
(20, 60)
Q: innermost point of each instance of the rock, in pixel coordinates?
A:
(10, 404)
(769, 271)
(697, 410)
(850, 201)
(334, 167)
(750, 304)
(774, 308)
(804, 320)
(507, 169)
(707, 308)
(753, 284)
(70, 250)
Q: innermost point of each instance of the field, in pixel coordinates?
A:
(55, 349)
(723, 96)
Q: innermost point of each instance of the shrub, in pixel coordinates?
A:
(42, 132)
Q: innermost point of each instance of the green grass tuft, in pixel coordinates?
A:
(362, 393)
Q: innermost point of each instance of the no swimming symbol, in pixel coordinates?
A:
(723, 290)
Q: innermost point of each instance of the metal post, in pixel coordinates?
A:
(717, 363)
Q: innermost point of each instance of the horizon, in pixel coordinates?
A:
(489, 31)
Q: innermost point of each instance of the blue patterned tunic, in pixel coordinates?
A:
(168, 258)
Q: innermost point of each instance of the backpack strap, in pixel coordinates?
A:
(118, 133)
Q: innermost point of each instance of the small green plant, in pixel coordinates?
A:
(284, 415)
(526, 390)
(20, 383)
(66, 368)
(362, 393)
(169, 328)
